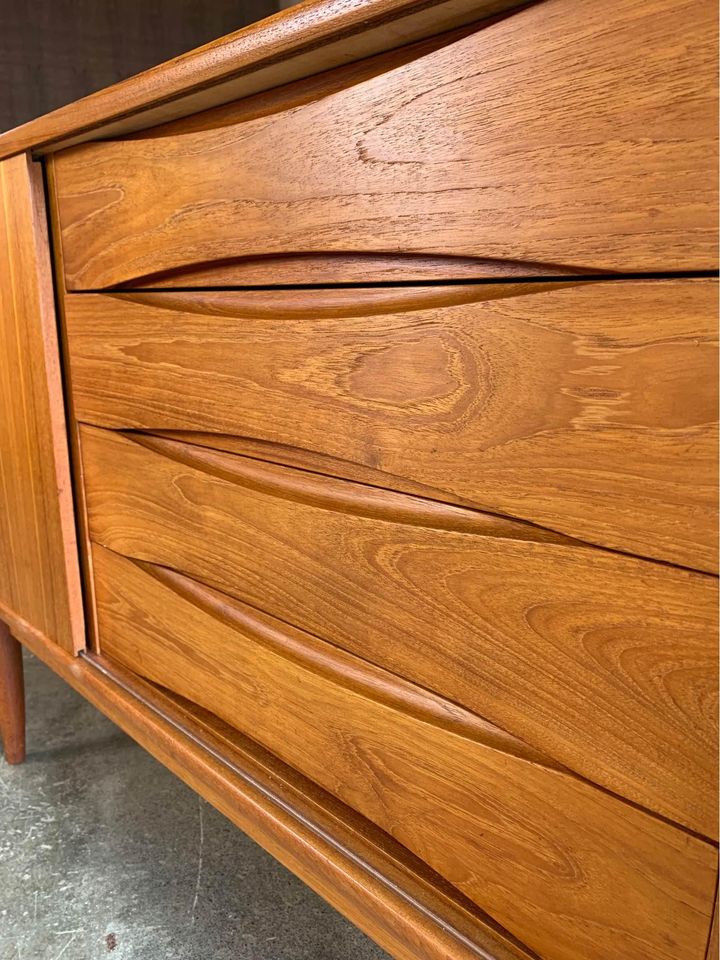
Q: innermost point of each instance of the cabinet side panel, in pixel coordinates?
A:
(39, 577)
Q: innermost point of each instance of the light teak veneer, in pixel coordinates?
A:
(390, 352)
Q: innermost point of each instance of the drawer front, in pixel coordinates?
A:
(534, 846)
(569, 869)
(605, 663)
(567, 135)
(588, 409)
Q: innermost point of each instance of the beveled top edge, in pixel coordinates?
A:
(313, 36)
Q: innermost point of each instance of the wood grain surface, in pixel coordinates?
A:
(304, 40)
(499, 146)
(588, 409)
(304, 268)
(567, 868)
(360, 870)
(602, 662)
(388, 533)
(39, 576)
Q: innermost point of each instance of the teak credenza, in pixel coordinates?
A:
(358, 455)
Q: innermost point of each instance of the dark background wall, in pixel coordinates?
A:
(54, 51)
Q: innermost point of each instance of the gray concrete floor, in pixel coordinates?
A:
(105, 854)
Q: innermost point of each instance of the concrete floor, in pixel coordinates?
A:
(104, 853)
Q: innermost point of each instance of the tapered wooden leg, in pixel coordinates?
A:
(12, 697)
